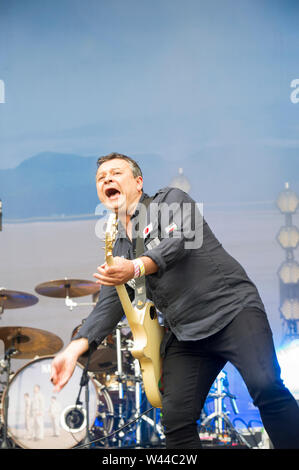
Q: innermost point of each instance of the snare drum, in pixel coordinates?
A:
(40, 419)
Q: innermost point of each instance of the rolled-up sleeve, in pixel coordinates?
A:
(177, 224)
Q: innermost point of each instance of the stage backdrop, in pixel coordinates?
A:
(203, 90)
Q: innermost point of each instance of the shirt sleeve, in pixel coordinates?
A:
(176, 224)
(103, 319)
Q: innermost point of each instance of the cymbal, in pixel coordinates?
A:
(67, 287)
(15, 299)
(30, 342)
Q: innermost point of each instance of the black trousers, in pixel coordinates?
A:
(191, 367)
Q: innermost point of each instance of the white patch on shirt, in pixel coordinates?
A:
(153, 243)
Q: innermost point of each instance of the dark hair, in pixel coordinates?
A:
(134, 165)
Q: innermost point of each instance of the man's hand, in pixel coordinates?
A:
(120, 273)
(63, 365)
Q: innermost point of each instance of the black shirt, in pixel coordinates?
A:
(199, 287)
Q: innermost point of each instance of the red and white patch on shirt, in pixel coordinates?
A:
(171, 228)
(147, 230)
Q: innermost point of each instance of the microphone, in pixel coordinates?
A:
(73, 419)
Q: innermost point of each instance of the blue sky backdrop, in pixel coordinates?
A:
(170, 77)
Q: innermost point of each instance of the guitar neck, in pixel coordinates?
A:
(130, 312)
(125, 300)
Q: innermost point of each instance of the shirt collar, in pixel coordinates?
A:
(121, 229)
(136, 213)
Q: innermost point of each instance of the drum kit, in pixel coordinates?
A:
(114, 411)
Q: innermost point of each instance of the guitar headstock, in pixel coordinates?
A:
(110, 235)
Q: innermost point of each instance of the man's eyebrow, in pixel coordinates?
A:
(101, 173)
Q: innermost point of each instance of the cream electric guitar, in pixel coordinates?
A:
(146, 330)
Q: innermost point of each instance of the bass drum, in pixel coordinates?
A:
(40, 419)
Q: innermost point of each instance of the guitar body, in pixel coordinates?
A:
(146, 330)
(147, 335)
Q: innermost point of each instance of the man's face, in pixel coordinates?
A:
(117, 188)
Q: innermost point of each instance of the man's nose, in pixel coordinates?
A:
(108, 178)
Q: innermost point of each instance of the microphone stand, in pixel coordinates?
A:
(84, 382)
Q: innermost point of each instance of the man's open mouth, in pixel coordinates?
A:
(110, 192)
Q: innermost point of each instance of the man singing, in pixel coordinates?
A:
(212, 312)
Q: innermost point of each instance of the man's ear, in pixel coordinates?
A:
(139, 181)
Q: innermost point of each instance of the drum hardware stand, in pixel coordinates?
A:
(71, 304)
(120, 377)
(138, 394)
(157, 433)
(120, 384)
(137, 400)
(219, 415)
(5, 444)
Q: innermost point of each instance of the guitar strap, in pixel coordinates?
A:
(140, 290)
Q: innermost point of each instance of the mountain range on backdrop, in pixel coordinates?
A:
(53, 184)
